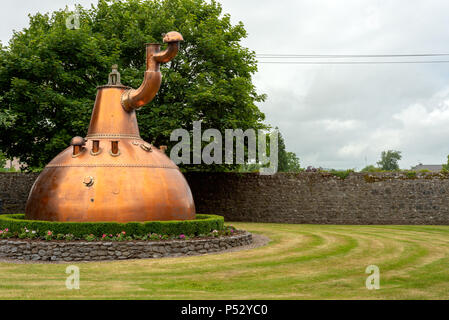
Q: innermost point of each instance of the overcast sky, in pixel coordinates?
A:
(337, 116)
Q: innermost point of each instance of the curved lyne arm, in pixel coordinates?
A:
(173, 39)
(135, 98)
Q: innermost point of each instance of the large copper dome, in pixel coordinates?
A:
(112, 174)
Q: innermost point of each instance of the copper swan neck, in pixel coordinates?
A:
(135, 98)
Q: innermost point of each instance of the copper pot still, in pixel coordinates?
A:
(112, 174)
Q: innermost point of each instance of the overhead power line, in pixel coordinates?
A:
(354, 62)
(333, 56)
(272, 58)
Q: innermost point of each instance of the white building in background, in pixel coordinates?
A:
(15, 163)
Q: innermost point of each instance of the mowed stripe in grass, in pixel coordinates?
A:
(300, 262)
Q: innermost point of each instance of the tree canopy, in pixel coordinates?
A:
(389, 160)
(287, 161)
(49, 73)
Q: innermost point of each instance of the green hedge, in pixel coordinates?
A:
(204, 223)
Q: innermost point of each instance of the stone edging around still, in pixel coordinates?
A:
(39, 250)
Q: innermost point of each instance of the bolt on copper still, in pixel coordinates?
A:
(112, 174)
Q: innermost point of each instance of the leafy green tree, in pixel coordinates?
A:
(49, 73)
(389, 160)
(2, 160)
(287, 161)
(446, 165)
(282, 154)
(250, 167)
(293, 164)
(370, 168)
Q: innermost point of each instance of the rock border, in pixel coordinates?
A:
(39, 250)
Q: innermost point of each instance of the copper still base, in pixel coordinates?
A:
(138, 185)
(112, 174)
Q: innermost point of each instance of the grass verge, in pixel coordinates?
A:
(300, 262)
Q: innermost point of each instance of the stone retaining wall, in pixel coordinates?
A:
(96, 251)
(308, 197)
(322, 198)
(14, 190)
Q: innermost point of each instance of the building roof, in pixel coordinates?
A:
(430, 167)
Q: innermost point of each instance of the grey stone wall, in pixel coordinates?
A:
(321, 198)
(96, 251)
(14, 189)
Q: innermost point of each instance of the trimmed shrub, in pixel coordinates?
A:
(204, 223)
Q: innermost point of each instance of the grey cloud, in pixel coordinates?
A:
(305, 102)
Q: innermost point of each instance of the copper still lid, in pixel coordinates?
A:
(112, 174)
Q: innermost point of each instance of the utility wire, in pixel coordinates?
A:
(326, 56)
(354, 62)
(268, 58)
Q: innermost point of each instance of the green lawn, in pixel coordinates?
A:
(301, 262)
